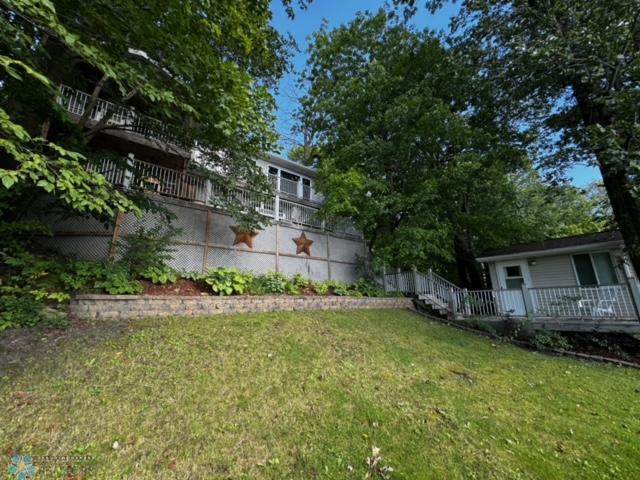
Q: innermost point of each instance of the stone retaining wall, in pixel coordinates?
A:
(131, 306)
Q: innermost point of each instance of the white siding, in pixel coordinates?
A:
(556, 271)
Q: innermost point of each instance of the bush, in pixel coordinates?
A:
(368, 288)
(273, 282)
(149, 248)
(20, 312)
(321, 288)
(160, 274)
(116, 280)
(554, 340)
(228, 281)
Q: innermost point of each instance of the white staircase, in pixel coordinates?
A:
(432, 289)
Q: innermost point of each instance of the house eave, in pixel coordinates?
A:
(552, 251)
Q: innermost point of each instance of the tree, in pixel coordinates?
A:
(202, 67)
(569, 72)
(408, 149)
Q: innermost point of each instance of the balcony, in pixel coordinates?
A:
(123, 119)
(154, 179)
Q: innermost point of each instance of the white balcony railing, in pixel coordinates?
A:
(122, 118)
(192, 187)
(582, 302)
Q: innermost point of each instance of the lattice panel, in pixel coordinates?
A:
(242, 260)
(313, 269)
(345, 250)
(344, 272)
(221, 234)
(287, 245)
(187, 258)
(192, 222)
(81, 247)
(42, 211)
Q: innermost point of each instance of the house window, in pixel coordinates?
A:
(595, 269)
(513, 277)
(306, 188)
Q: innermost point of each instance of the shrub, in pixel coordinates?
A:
(160, 274)
(193, 276)
(116, 280)
(546, 339)
(368, 288)
(20, 312)
(321, 288)
(274, 282)
(300, 281)
(149, 248)
(228, 281)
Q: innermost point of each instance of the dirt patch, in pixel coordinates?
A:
(19, 344)
(621, 346)
(181, 287)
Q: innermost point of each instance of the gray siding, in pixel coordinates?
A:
(556, 271)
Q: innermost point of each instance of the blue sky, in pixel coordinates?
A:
(338, 12)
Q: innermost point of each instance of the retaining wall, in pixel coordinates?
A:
(132, 306)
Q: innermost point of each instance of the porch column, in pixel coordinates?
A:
(528, 301)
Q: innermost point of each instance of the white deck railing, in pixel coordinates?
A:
(593, 302)
(131, 173)
(122, 118)
(127, 119)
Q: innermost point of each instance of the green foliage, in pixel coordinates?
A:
(193, 276)
(116, 280)
(160, 274)
(550, 339)
(228, 281)
(20, 312)
(321, 288)
(149, 248)
(272, 282)
(229, 52)
(368, 289)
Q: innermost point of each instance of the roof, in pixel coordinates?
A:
(564, 243)
(289, 164)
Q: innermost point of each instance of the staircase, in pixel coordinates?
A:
(434, 291)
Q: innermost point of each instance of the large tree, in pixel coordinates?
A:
(202, 67)
(569, 72)
(409, 148)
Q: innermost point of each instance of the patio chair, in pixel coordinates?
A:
(605, 307)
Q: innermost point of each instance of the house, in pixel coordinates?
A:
(578, 283)
(581, 276)
(150, 158)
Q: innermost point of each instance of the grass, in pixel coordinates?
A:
(307, 395)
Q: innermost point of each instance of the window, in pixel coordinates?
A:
(306, 188)
(595, 269)
(513, 277)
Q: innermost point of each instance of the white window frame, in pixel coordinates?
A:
(593, 266)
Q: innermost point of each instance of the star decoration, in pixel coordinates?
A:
(303, 244)
(243, 236)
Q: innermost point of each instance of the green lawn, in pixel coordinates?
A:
(308, 394)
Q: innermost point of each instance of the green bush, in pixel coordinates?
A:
(368, 288)
(228, 281)
(274, 282)
(193, 276)
(148, 248)
(117, 280)
(20, 312)
(321, 288)
(550, 339)
(160, 274)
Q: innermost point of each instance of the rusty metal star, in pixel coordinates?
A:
(243, 236)
(303, 244)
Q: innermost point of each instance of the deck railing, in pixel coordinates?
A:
(136, 174)
(122, 118)
(594, 302)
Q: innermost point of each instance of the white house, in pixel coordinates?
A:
(579, 276)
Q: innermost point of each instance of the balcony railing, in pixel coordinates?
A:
(152, 178)
(122, 118)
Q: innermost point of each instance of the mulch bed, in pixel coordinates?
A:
(622, 346)
(181, 287)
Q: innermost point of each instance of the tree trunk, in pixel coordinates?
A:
(469, 270)
(624, 203)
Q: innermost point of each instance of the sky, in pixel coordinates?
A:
(338, 12)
